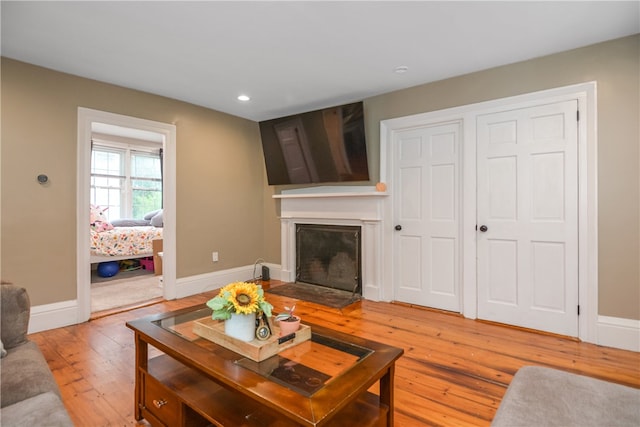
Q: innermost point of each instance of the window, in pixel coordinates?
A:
(126, 178)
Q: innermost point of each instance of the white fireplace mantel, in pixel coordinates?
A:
(324, 192)
(360, 206)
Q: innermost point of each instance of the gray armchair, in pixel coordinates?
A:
(29, 393)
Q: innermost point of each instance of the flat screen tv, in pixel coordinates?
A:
(321, 146)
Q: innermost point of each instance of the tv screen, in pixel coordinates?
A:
(319, 146)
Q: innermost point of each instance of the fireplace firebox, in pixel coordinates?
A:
(329, 256)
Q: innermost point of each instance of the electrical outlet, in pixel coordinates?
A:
(214, 256)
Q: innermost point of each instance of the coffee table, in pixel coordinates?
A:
(332, 379)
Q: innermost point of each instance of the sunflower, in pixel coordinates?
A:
(244, 297)
(241, 298)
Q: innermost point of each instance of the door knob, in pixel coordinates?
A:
(483, 228)
(398, 227)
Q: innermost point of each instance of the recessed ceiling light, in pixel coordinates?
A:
(401, 69)
(243, 98)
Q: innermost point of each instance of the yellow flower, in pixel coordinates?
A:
(244, 297)
(241, 298)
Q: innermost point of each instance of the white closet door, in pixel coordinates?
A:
(527, 198)
(426, 215)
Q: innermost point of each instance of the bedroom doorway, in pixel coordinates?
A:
(126, 216)
(126, 146)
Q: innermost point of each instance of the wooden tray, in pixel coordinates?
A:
(256, 350)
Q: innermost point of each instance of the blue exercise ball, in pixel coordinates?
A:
(108, 269)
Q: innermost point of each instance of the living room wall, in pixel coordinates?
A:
(219, 189)
(615, 65)
(223, 201)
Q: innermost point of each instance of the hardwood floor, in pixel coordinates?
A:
(454, 371)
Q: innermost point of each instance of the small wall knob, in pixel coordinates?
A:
(483, 228)
(398, 227)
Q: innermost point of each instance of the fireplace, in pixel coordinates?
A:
(360, 207)
(329, 255)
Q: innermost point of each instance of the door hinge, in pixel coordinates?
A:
(578, 310)
(578, 115)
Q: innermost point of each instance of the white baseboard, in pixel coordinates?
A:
(65, 313)
(51, 316)
(611, 331)
(619, 333)
(193, 285)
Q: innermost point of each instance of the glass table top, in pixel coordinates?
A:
(304, 368)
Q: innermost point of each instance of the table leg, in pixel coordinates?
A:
(386, 393)
(142, 361)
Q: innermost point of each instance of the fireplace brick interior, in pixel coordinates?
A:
(329, 256)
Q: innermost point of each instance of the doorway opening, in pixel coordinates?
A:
(126, 217)
(138, 173)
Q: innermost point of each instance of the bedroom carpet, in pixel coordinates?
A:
(95, 278)
(334, 298)
(123, 292)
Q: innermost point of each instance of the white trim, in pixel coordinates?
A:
(619, 333)
(87, 116)
(328, 191)
(585, 94)
(64, 313)
(199, 283)
(51, 316)
(612, 332)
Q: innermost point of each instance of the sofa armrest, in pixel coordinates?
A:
(15, 309)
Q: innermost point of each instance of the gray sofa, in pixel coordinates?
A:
(29, 393)
(539, 396)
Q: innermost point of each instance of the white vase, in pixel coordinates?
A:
(241, 326)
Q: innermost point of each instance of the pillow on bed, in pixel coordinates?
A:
(130, 222)
(151, 214)
(157, 220)
(97, 220)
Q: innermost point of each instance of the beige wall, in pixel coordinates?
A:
(223, 201)
(220, 184)
(615, 66)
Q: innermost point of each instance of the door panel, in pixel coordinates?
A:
(527, 195)
(443, 266)
(548, 267)
(503, 271)
(502, 180)
(426, 271)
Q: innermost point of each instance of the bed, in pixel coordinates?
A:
(123, 243)
(123, 239)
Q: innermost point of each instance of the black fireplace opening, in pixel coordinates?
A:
(329, 256)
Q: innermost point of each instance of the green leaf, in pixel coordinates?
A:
(221, 315)
(216, 303)
(283, 316)
(266, 308)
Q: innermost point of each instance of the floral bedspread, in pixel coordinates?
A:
(124, 241)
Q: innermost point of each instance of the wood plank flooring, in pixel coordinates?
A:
(454, 371)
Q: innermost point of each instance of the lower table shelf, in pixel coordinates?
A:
(175, 395)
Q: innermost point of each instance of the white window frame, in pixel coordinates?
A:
(126, 190)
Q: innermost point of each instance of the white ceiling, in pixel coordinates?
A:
(295, 56)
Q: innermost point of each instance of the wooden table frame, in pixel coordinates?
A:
(339, 402)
